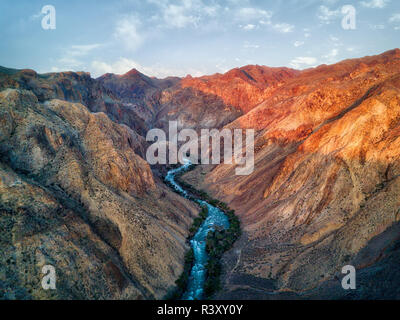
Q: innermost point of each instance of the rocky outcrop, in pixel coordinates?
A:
(159, 101)
(193, 109)
(243, 88)
(75, 195)
(139, 92)
(204, 102)
(74, 87)
(217, 100)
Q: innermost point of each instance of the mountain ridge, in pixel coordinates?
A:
(325, 184)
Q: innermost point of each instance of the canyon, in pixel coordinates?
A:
(77, 192)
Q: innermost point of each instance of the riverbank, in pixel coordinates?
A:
(218, 239)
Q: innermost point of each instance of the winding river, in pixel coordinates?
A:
(215, 218)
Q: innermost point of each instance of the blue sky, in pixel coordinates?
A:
(180, 37)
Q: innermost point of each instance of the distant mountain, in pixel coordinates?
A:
(209, 101)
(74, 87)
(128, 87)
(140, 92)
(243, 88)
(8, 70)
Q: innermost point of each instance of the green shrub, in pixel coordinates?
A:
(217, 243)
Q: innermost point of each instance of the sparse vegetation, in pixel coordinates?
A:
(218, 242)
(182, 281)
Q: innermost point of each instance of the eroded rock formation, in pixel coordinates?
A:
(75, 195)
(326, 182)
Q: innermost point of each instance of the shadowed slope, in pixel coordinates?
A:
(74, 194)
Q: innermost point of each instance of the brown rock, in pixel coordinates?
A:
(74, 194)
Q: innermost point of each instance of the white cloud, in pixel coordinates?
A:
(82, 50)
(123, 65)
(395, 18)
(70, 60)
(183, 14)
(375, 3)
(178, 16)
(196, 14)
(325, 15)
(251, 14)
(335, 41)
(330, 57)
(249, 27)
(302, 62)
(69, 63)
(258, 17)
(127, 31)
(330, 2)
(283, 27)
(377, 26)
(332, 54)
(298, 43)
(333, 38)
(248, 45)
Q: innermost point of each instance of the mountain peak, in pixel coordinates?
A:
(242, 88)
(395, 52)
(132, 72)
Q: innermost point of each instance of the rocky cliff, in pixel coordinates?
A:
(325, 190)
(243, 88)
(158, 101)
(75, 195)
(74, 87)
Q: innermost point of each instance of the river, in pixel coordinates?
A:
(215, 218)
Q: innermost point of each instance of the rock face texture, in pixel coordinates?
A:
(137, 91)
(205, 102)
(243, 88)
(326, 187)
(74, 87)
(158, 101)
(75, 195)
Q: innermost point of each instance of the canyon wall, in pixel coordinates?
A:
(325, 190)
(75, 195)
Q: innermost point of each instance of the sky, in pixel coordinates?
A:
(179, 37)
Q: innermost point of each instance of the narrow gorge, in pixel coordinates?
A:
(77, 192)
